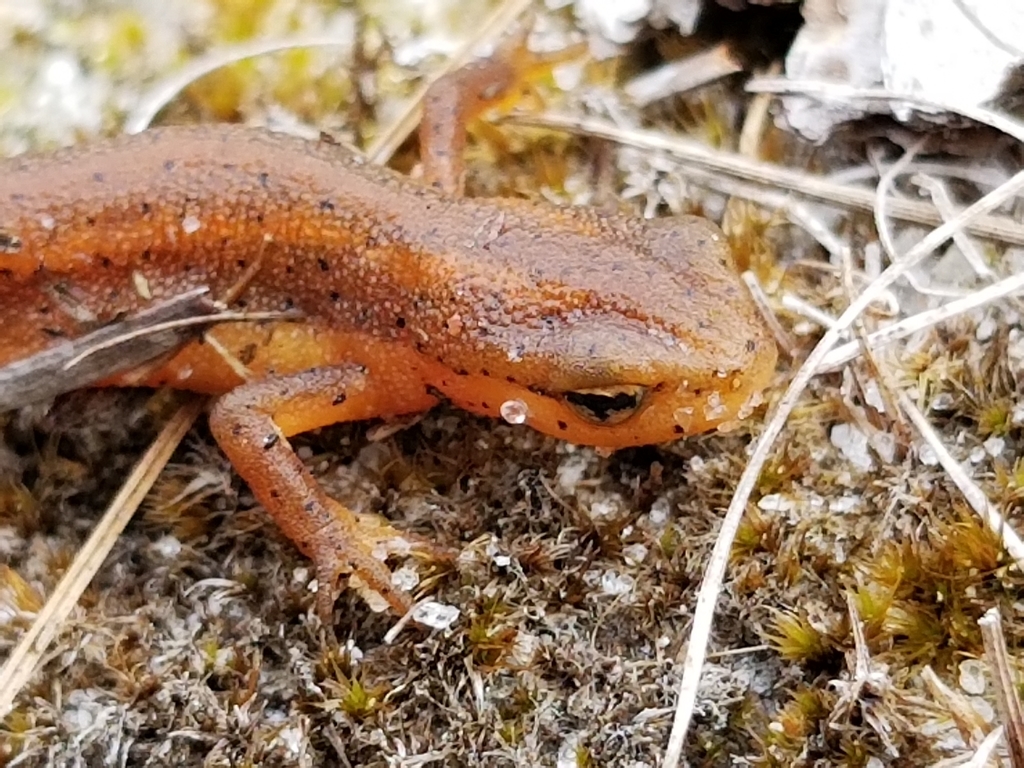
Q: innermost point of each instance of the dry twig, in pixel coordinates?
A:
(1007, 700)
(21, 665)
(771, 176)
(910, 325)
(968, 721)
(77, 363)
(972, 493)
(683, 75)
(151, 104)
(982, 755)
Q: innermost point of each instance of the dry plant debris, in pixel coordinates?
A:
(865, 536)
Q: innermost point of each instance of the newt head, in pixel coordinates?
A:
(636, 332)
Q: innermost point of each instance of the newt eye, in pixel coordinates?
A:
(606, 405)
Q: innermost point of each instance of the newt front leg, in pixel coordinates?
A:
(252, 424)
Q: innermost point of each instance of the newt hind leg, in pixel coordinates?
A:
(252, 424)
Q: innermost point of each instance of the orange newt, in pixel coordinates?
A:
(599, 329)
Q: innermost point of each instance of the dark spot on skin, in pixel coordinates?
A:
(145, 209)
(104, 262)
(326, 205)
(678, 430)
(697, 392)
(511, 379)
(484, 372)
(9, 243)
(461, 372)
(562, 425)
(400, 322)
(335, 296)
(270, 441)
(309, 506)
(259, 218)
(658, 387)
(275, 495)
(240, 263)
(288, 303)
(435, 392)
(247, 354)
(168, 165)
(750, 345)
(289, 269)
(485, 406)
(6, 272)
(98, 177)
(146, 255)
(339, 399)
(236, 430)
(263, 178)
(324, 266)
(188, 267)
(90, 221)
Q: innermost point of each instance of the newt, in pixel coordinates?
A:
(600, 329)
